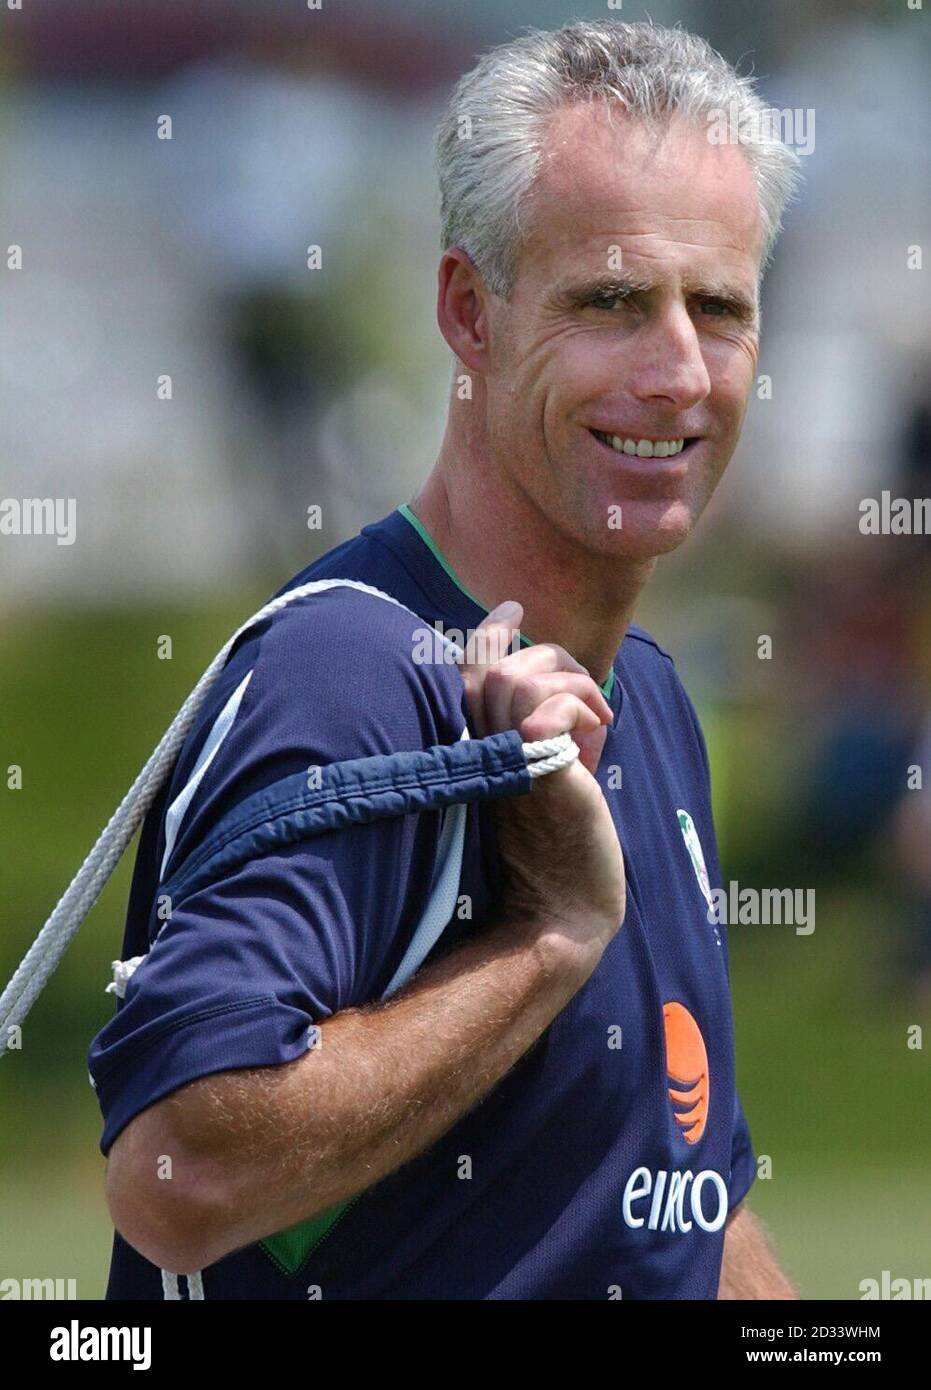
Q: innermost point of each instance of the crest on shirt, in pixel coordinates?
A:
(693, 845)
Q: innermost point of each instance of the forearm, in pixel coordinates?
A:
(267, 1148)
(749, 1269)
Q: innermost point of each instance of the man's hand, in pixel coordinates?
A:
(559, 845)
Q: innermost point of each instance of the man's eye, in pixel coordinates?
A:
(716, 307)
(605, 301)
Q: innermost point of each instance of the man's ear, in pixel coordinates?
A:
(461, 308)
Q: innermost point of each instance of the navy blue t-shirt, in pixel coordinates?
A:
(605, 1163)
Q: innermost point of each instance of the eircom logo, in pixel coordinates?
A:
(677, 1200)
(687, 1069)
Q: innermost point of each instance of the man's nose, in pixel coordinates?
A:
(670, 366)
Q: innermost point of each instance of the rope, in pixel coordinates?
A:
(41, 960)
(550, 754)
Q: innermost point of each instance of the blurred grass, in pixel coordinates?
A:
(832, 1092)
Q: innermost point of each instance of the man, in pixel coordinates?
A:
(548, 1109)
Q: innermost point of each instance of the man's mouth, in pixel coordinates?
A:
(643, 448)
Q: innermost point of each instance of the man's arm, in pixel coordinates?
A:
(749, 1268)
(255, 1151)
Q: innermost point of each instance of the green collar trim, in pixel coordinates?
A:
(438, 555)
(441, 559)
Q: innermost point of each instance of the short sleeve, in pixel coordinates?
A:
(244, 968)
(743, 1159)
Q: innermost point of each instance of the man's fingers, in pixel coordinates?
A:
(491, 640)
(526, 692)
(568, 714)
(559, 714)
(502, 689)
(544, 656)
(488, 644)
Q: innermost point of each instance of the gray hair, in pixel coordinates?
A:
(491, 139)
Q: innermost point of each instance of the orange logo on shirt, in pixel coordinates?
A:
(686, 1070)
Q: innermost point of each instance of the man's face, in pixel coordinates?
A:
(634, 314)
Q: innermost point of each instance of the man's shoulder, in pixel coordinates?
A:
(644, 661)
(343, 590)
(346, 642)
(361, 619)
(650, 667)
(642, 658)
(644, 645)
(331, 675)
(350, 642)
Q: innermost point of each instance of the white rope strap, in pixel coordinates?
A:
(550, 754)
(43, 956)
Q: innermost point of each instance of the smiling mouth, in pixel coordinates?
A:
(644, 448)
